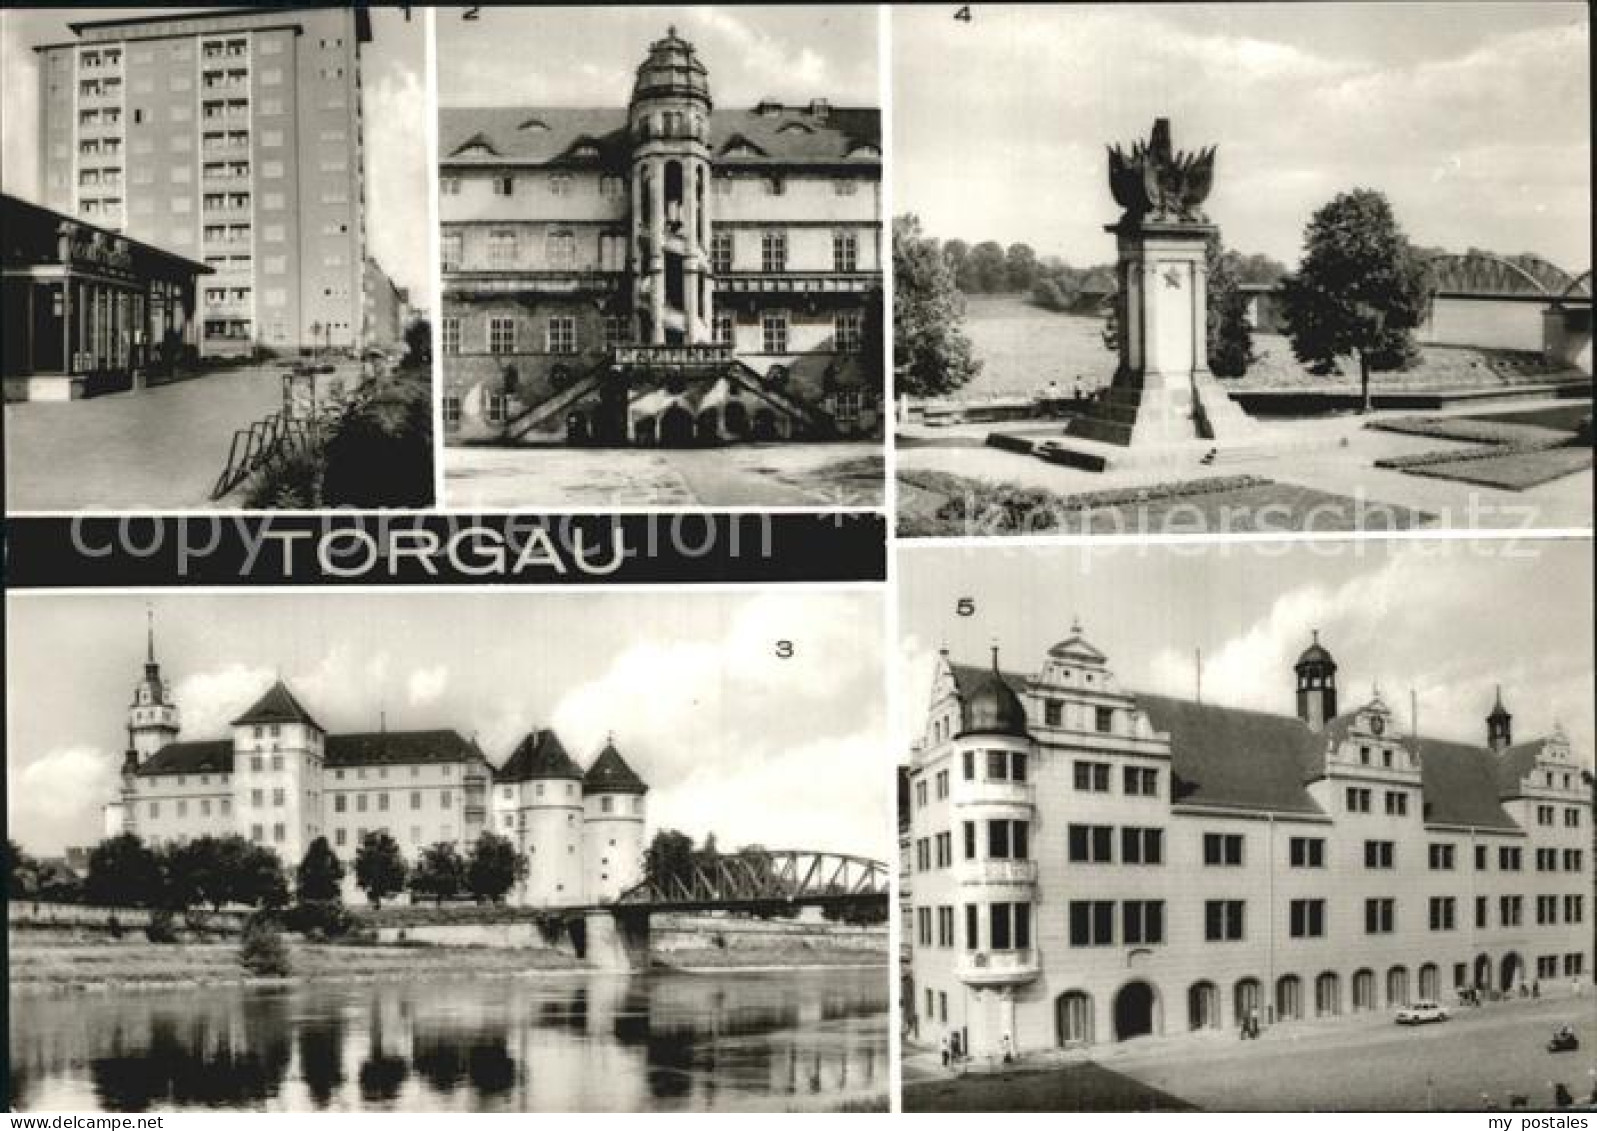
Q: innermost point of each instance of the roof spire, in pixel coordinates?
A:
(995, 656)
(1314, 632)
(149, 633)
(1075, 624)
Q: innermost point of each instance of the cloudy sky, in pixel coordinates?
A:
(1447, 619)
(395, 106)
(588, 56)
(1473, 118)
(789, 753)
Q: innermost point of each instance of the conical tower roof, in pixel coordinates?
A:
(611, 774)
(539, 756)
(278, 705)
(993, 707)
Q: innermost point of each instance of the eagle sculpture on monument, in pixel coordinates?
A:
(1154, 181)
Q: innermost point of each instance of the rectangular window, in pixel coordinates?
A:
(1481, 853)
(1307, 918)
(1092, 922)
(847, 331)
(1053, 713)
(502, 249)
(1510, 910)
(845, 251)
(1482, 911)
(1141, 781)
(1443, 913)
(1508, 859)
(773, 254)
(451, 244)
(1441, 857)
(1091, 844)
(773, 332)
(1307, 852)
(1142, 921)
(1091, 777)
(1223, 920)
(724, 329)
(562, 334)
(721, 252)
(1222, 850)
(559, 184)
(1358, 800)
(501, 335)
(451, 334)
(1141, 846)
(504, 185)
(1379, 853)
(1380, 916)
(616, 331)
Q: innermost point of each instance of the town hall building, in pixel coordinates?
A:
(1089, 864)
(281, 780)
(661, 273)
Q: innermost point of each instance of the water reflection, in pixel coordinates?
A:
(571, 1042)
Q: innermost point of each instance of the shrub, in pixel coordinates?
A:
(114, 926)
(320, 919)
(161, 929)
(262, 951)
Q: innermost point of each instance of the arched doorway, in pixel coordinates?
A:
(643, 432)
(1289, 998)
(1513, 970)
(1327, 995)
(765, 424)
(1430, 982)
(1397, 986)
(1246, 999)
(708, 427)
(1134, 1011)
(676, 427)
(1483, 972)
(1363, 991)
(737, 419)
(1203, 1006)
(1073, 1018)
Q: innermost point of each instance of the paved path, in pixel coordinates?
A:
(787, 475)
(159, 449)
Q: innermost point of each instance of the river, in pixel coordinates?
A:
(809, 1039)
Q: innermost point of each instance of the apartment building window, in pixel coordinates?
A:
(258, 798)
(256, 833)
(1142, 922)
(922, 796)
(562, 333)
(845, 251)
(1379, 853)
(1443, 911)
(847, 330)
(444, 799)
(923, 854)
(1090, 844)
(1380, 916)
(1547, 859)
(775, 186)
(972, 927)
(360, 803)
(970, 840)
(501, 249)
(1091, 777)
(1441, 857)
(1092, 922)
(1482, 854)
(278, 798)
(721, 252)
(339, 803)
(723, 329)
(1482, 911)
(1222, 849)
(1572, 818)
(1574, 908)
(1574, 964)
(1508, 859)
(1306, 918)
(945, 926)
(944, 843)
(155, 809)
(340, 836)
(1009, 926)
(561, 249)
(1572, 860)
(452, 411)
(1358, 799)
(773, 252)
(1306, 852)
(940, 781)
(1546, 814)
(451, 334)
(504, 185)
(1510, 910)
(1103, 719)
(1546, 909)
(451, 248)
(1396, 803)
(279, 832)
(415, 799)
(1008, 840)
(1141, 781)
(1141, 846)
(1224, 920)
(773, 332)
(501, 335)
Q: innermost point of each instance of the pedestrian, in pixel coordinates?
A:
(1536, 988)
(1561, 1096)
(945, 1050)
(1253, 1019)
(1009, 1049)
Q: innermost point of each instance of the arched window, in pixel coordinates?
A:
(1203, 1006)
(1073, 1018)
(1430, 982)
(1363, 991)
(1397, 986)
(1327, 995)
(1247, 999)
(1289, 998)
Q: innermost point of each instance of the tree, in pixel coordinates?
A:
(669, 858)
(954, 254)
(380, 868)
(419, 343)
(1360, 290)
(494, 867)
(22, 872)
(319, 874)
(261, 950)
(440, 874)
(123, 872)
(983, 271)
(258, 878)
(932, 356)
(1020, 267)
(1230, 337)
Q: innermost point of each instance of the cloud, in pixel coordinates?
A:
(427, 684)
(761, 52)
(58, 793)
(19, 113)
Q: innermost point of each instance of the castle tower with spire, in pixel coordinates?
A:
(613, 799)
(153, 719)
(1316, 684)
(1499, 725)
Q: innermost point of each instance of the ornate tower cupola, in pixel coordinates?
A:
(152, 716)
(1499, 725)
(1316, 672)
(669, 121)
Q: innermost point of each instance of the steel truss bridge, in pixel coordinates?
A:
(762, 880)
(1479, 274)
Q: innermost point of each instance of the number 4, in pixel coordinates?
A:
(963, 15)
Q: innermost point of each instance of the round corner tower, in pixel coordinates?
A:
(548, 788)
(615, 810)
(669, 123)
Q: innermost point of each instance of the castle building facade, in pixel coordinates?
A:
(281, 780)
(1089, 864)
(232, 137)
(662, 272)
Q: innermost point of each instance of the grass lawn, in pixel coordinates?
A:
(941, 504)
(1562, 418)
(1075, 1087)
(1516, 471)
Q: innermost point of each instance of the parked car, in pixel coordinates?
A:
(1420, 1013)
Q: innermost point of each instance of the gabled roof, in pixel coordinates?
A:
(540, 755)
(402, 747)
(212, 757)
(1461, 784)
(611, 774)
(278, 705)
(1513, 765)
(843, 136)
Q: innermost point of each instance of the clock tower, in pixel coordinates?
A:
(152, 716)
(1316, 680)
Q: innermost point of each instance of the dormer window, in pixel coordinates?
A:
(534, 125)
